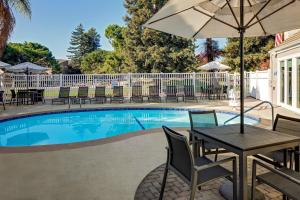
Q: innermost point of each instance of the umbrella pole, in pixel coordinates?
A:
(242, 31)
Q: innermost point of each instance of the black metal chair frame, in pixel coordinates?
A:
(100, 96)
(63, 96)
(154, 94)
(2, 99)
(189, 93)
(171, 93)
(194, 140)
(291, 178)
(137, 94)
(191, 175)
(117, 94)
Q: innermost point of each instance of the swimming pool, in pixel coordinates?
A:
(81, 126)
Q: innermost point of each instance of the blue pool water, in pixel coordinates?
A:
(70, 127)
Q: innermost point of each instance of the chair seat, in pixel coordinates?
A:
(278, 156)
(209, 145)
(210, 173)
(282, 184)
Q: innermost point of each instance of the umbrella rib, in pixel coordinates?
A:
(258, 19)
(171, 15)
(272, 13)
(235, 18)
(213, 17)
(260, 10)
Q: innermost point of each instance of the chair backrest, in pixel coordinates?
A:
(288, 125)
(83, 92)
(189, 91)
(202, 119)
(171, 90)
(100, 91)
(118, 91)
(1, 96)
(180, 156)
(153, 91)
(64, 92)
(137, 91)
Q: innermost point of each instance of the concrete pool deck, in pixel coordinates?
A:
(109, 171)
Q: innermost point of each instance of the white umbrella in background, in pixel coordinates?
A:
(27, 68)
(4, 65)
(214, 66)
(195, 19)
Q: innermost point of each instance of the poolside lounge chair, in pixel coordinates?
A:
(63, 96)
(154, 94)
(117, 94)
(2, 100)
(171, 93)
(189, 93)
(193, 171)
(100, 96)
(284, 180)
(201, 119)
(137, 94)
(82, 96)
(286, 125)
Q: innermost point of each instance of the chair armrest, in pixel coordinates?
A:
(213, 164)
(284, 175)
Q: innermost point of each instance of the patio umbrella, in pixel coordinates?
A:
(214, 66)
(27, 68)
(194, 19)
(4, 65)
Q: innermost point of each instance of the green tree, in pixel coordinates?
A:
(16, 53)
(91, 41)
(211, 50)
(153, 51)
(92, 62)
(8, 20)
(256, 52)
(115, 34)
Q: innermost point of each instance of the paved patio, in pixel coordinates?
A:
(109, 171)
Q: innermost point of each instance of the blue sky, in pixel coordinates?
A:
(53, 21)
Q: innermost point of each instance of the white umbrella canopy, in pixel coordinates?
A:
(27, 67)
(193, 19)
(221, 18)
(214, 66)
(4, 65)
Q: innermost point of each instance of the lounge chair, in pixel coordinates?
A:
(137, 94)
(286, 125)
(82, 96)
(63, 96)
(189, 93)
(284, 180)
(194, 171)
(100, 96)
(2, 99)
(171, 93)
(14, 98)
(154, 94)
(201, 119)
(117, 94)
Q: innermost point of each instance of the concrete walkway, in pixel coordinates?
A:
(109, 171)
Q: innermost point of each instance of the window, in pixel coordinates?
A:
(282, 85)
(290, 81)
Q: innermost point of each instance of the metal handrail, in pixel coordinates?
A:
(250, 109)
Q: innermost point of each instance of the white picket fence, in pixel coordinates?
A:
(51, 83)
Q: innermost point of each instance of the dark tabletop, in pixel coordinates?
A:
(253, 138)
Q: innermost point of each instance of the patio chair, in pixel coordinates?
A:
(154, 94)
(194, 171)
(286, 125)
(283, 180)
(117, 94)
(171, 93)
(202, 119)
(100, 96)
(137, 94)
(82, 96)
(189, 93)
(2, 99)
(14, 98)
(63, 96)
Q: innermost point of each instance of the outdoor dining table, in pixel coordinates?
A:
(254, 141)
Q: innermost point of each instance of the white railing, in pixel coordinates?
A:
(51, 83)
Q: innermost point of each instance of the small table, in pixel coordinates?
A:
(254, 141)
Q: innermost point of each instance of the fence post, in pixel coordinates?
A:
(194, 82)
(129, 84)
(161, 83)
(60, 80)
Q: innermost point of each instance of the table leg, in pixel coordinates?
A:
(243, 187)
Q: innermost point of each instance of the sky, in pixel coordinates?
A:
(53, 21)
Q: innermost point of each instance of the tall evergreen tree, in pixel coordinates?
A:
(76, 49)
(91, 41)
(153, 51)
